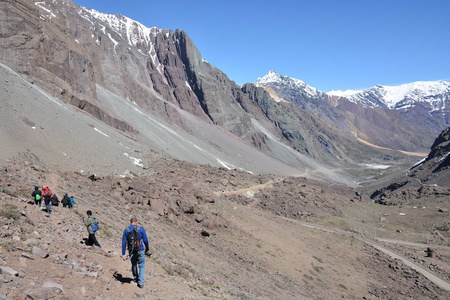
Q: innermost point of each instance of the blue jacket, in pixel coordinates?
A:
(142, 236)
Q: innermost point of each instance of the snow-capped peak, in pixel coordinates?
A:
(414, 91)
(345, 93)
(273, 77)
(401, 96)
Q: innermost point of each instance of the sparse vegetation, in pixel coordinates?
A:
(10, 211)
(298, 259)
(105, 231)
(35, 168)
(11, 193)
(318, 259)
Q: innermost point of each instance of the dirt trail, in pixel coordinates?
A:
(430, 276)
(433, 278)
(269, 184)
(53, 184)
(447, 248)
(248, 190)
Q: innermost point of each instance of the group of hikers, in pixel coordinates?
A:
(50, 199)
(134, 237)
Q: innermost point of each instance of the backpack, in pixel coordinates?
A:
(65, 200)
(95, 227)
(133, 243)
(38, 197)
(46, 192)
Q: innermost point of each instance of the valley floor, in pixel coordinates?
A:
(217, 234)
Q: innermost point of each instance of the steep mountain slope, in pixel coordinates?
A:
(136, 78)
(433, 94)
(214, 234)
(424, 105)
(41, 128)
(427, 180)
(410, 128)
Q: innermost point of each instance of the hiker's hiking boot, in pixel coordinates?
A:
(141, 286)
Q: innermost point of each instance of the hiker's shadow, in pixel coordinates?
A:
(122, 279)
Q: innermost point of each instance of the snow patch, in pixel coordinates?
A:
(249, 194)
(444, 157)
(134, 160)
(345, 93)
(376, 166)
(49, 14)
(126, 174)
(273, 77)
(101, 132)
(124, 146)
(418, 163)
(405, 96)
(225, 164)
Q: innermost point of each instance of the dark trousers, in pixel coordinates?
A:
(92, 240)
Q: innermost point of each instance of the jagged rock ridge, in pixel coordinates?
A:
(406, 117)
(427, 179)
(119, 71)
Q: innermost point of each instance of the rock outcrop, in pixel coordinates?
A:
(89, 60)
(427, 179)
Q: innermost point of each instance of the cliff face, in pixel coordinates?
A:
(86, 58)
(427, 180)
(440, 152)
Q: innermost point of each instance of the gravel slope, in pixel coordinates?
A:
(43, 129)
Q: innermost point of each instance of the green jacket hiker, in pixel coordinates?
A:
(89, 222)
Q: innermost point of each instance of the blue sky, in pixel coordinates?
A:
(330, 45)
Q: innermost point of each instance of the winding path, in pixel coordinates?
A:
(429, 275)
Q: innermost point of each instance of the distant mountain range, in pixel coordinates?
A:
(420, 107)
(153, 86)
(434, 95)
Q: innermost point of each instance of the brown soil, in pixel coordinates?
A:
(218, 234)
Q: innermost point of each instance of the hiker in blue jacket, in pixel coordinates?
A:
(137, 250)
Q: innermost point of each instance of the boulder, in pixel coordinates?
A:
(49, 239)
(31, 242)
(140, 186)
(8, 270)
(39, 252)
(43, 293)
(158, 206)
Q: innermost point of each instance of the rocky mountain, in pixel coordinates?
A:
(439, 159)
(432, 94)
(426, 102)
(214, 233)
(427, 179)
(244, 194)
(153, 85)
(406, 117)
